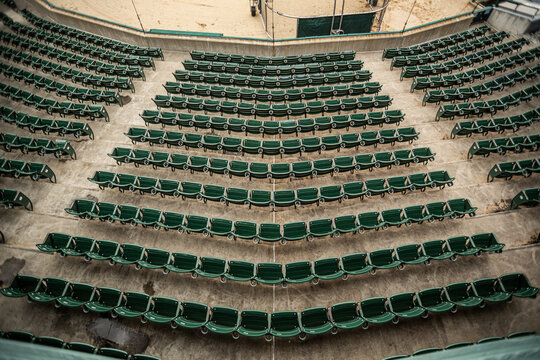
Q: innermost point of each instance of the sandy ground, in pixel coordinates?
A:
(208, 16)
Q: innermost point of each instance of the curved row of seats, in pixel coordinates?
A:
(272, 110)
(502, 145)
(24, 336)
(92, 38)
(52, 106)
(60, 88)
(13, 198)
(273, 60)
(69, 57)
(272, 147)
(272, 82)
(77, 46)
(271, 70)
(435, 44)
(39, 145)
(284, 324)
(509, 169)
(271, 232)
(75, 75)
(487, 88)
(479, 108)
(277, 95)
(499, 125)
(266, 272)
(440, 352)
(251, 170)
(445, 53)
(468, 60)
(34, 170)
(443, 81)
(281, 198)
(34, 123)
(527, 197)
(272, 127)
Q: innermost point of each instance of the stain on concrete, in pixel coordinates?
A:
(149, 288)
(126, 99)
(112, 333)
(93, 198)
(9, 269)
(502, 205)
(535, 238)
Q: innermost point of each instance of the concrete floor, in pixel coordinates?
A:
(517, 228)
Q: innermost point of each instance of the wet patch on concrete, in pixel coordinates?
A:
(149, 288)
(9, 269)
(126, 99)
(534, 239)
(93, 198)
(112, 333)
(502, 205)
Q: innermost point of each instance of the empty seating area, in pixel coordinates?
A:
(506, 170)
(41, 146)
(34, 170)
(281, 324)
(502, 145)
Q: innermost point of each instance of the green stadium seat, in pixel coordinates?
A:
(133, 304)
(376, 310)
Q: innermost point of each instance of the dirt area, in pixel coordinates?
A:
(208, 16)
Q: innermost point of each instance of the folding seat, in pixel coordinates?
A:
(383, 159)
(128, 254)
(104, 300)
(49, 289)
(232, 144)
(192, 316)
(212, 267)
(233, 195)
(103, 179)
(518, 285)
(438, 210)
(18, 335)
(198, 163)
(327, 269)
(376, 311)
(221, 227)
(298, 272)
(286, 324)
(82, 208)
(342, 164)
(434, 300)
(320, 228)
(301, 169)
(419, 181)
(196, 223)
(183, 263)
(316, 321)
(55, 242)
(369, 220)
(154, 259)
(79, 246)
(253, 323)
(21, 286)
(353, 190)
(77, 294)
(245, 230)
(397, 184)
(405, 305)
(238, 168)
(368, 138)
(284, 198)
(260, 198)
(412, 254)
(103, 250)
(490, 290)
(172, 220)
(440, 178)
(384, 259)
(322, 166)
(133, 304)
(461, 294)
(423, 155)
(330, 193)
(162, 310)
(376, 187)
(252, 146)
(527, 197)
(240, 270)
(223, 320)
(306, 196)
(259, 170)
(149, 217)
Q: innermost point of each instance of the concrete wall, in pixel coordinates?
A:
(246, 46)
(513, 23)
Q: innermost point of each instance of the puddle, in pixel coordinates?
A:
(149, 288)
(112, 333)
(126, 99)
(9, 269)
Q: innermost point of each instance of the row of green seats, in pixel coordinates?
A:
(272, 127)
(24, 336)
(272, 82)
(472, 59)
(18, 168)
(527, 197)
(39, 145)
(34, 123)
(509, 169)
(271, 232)
(444, 81)
(271, 70)
(52, 106)
(260, 170)
(270, 273)
(478, 108)
(282, 324)
(77, 46)
(273, 60)
(274, 110)
(443, 54)
(435, 44)
(502, 145)
(66, 72)
(12, 198)
(91, 38)
(499, 125)
(272, 147)
(277, 95)
(476, 91)
(439, 351)
(60, 88)
(280, 198)
(69, 57)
